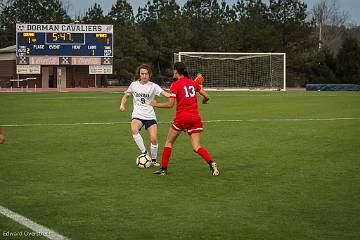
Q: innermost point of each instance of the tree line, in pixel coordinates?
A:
(161, 27)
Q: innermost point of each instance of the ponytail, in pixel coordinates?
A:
(181, 69)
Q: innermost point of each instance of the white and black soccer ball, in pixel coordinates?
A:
(143, 161)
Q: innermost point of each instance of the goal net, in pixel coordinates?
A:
(248, 71)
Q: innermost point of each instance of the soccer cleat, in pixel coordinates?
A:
(155, 163)
(214, 169)
(160, 172)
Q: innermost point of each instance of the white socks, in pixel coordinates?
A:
(154, 150)
(139, 142)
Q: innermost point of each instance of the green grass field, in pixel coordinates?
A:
(290, 168)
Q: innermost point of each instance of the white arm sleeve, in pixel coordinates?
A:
(129, 90)
(158, 90)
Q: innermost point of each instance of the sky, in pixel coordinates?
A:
(79, 7)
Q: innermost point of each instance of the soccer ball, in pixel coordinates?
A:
(143, 161)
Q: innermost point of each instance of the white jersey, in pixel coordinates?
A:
(143, 94)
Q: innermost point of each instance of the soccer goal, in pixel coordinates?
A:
(237, 71)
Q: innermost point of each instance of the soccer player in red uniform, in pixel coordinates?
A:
(187, 117)
(200, 79)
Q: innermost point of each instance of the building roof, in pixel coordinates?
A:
(9, 49)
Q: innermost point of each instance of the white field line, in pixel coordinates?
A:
(275, 95)
(281, 119)
(205, 121)
(68, 98)
(61, 124)
(38, 229)
(214, 95)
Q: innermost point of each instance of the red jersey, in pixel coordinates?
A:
(199, 79)
(184, 90)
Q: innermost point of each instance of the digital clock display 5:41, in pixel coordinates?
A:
(65, 38)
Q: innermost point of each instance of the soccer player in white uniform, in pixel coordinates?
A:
(143, 92)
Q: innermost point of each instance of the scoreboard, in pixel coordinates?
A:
(64, 40)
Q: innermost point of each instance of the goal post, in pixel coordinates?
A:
(237, 71)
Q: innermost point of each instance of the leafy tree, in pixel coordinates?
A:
(161, 24)
(94, 15)
(130, 47)
(289, 18)
(203, 25)
(348, 61)
(330, 22)
(322, 69)
(27, 11)
(121, 13)
(253, 31)
(227, 16)
(52, 11)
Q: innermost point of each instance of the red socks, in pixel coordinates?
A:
(165, 157)
(204, 154)
(167, 152)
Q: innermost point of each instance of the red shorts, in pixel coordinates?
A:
(189, 123)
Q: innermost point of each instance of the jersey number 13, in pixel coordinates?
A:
(189, 91)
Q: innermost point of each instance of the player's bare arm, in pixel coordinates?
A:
(123, 101)
(168, 104)
(205, 96)
(165, 94)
